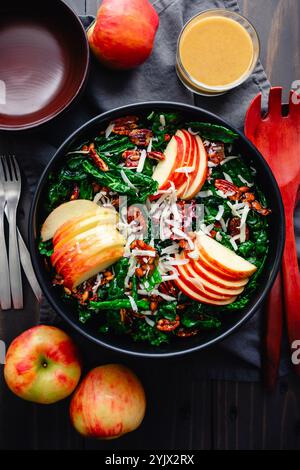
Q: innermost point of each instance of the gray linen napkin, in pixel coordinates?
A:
(238, 357)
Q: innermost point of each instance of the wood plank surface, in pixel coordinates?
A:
(183, 411)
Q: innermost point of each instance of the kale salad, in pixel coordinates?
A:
(155, 228)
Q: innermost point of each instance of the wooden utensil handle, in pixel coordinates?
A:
(274, 326)
(291, 276)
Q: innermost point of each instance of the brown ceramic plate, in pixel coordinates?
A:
(44, 60)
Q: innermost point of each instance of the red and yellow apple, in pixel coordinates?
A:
(185, 165)
(68, 211)
(217, 277)
(109, 403)
(224, 259)
(122, 37)
(85, 240)
(42, 365)
(86, 221)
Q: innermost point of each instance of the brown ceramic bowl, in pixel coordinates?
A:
(44, 61)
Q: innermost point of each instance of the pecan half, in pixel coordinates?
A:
(131, 158)
(234, 227)
(183, 333)
(215, 151)
(124, 125)
(227, 187)
(156, 156)
(264, 211)
(167, 325)
(98, 161)
(141, 137)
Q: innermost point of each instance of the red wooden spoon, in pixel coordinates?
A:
(278, 139)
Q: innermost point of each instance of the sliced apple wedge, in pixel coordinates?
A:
(85, 222)
(207, 286)
(190, 292)
(87, 248)
(184, 180)
(63, 213)
(198, 177)
(212, 268)
(186, 155)
(100, 233)
(165, 168)
(196, 285)
(223, 258)
(217, 279)
(88, 267)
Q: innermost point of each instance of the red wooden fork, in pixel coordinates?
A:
(278, 139)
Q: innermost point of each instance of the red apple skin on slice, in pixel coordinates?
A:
(86, 248)
(217, 279)
(89, 267)
(223, 258)
(165, 168)
(198, 177)
(199, 298)
(63, 213)
(208, 286)
(183, 182)
(85, 222)
(179, 178)
(218, 272)
(92, 235)
(197, 286)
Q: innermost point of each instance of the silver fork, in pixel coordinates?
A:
(12, 188)
(5, 297)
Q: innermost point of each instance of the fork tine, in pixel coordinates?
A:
(6, 169)
(2, 176)
(275, 99)
(16, 168)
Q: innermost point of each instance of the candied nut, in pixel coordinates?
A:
(123, 313)
(131, 158)
(156, 156)
(215, 151)
(260, 209)
(244, 189)
(227, 187)
(123, 126)
(249, 197)
(139, 272)
(168, 325)
(85, 296)
(183, 333)
(98, 161)
(153, 306)
(234, 227)
(141, 137)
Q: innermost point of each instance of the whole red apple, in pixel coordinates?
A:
(109, 402)
(123, 34)
(42, 365)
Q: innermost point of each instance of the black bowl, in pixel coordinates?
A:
(232, 321)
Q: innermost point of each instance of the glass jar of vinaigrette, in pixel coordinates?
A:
(217, 51)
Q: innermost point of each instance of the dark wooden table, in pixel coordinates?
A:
(183, 412)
